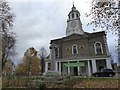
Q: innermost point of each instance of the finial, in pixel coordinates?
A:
(73, 8)
(73, 4)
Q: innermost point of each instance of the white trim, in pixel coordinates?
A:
(68, 68)
(56, 66)
(89, 68)
(100, 46)
(60, 68)
(94, 65)
(46, 67)
(108, 63)
(76, 49)
(78, 69)
(82, 59)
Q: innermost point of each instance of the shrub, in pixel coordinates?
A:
(52, 74)
(42, 86)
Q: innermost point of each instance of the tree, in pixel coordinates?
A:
(7, 38)
(8, 68)
(104, 15)
(43, 55)
(31, 64)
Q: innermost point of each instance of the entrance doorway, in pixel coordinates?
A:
(75, 71)
(100, 67)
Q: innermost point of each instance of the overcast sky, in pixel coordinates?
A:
(39, 21)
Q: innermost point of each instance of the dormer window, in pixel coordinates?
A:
(98, 48)
(74, 49)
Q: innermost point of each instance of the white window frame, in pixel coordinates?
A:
(76, 49)
(100, 47)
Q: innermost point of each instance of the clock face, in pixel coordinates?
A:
(73, 24)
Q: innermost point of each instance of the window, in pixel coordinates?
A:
(74, 49)
(72, 15)
(49, 66)
(98, 48)
(56, 52)
(77, 15)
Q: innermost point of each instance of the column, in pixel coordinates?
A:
(108, 63)
(89, 68)
(68, 68)
(46, 67)
(56, 66)
(78, 69)
(94, 65)
(60, 68)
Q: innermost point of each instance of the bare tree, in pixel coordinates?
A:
(43, 55)
(7, 38)
(104, 15)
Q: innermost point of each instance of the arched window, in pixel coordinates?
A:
(56, 52)
(98, 48)
(74, 49)
(77, 15)
(72, 15)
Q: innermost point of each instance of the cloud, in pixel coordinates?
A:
(38, 22)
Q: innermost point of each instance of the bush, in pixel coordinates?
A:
(42, 86)
(52, 74)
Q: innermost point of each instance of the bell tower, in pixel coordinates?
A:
(74, 25)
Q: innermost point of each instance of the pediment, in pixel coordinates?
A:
(75, 36)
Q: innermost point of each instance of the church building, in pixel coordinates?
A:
(80, 52)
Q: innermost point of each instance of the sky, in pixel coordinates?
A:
(39, 21)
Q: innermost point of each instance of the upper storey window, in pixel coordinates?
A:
(56, 52)
(72, 15)
(74, 49)
(77, 15)
(98, 48)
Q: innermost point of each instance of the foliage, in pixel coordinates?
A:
(104, 16)
(74, 82)
(7, 38)
(8, 68)
(52, 74)
(42, 86)
(31, 64)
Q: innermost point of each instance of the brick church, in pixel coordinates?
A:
(80, 52)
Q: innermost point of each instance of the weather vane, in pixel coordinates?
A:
(73, 4)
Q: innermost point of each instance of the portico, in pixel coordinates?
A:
(78, 67)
